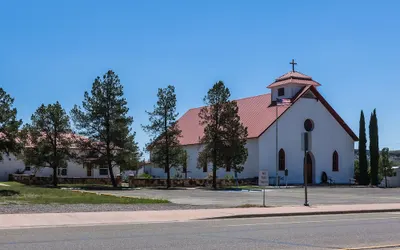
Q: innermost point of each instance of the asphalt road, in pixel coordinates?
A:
(274, 197)
(307, 232)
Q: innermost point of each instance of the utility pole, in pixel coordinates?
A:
(306, 144)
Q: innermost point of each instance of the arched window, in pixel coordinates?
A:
(282, 164)
(335, 161)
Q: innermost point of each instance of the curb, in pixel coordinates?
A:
(302, 214)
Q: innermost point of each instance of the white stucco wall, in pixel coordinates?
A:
(12, 164)
(328, 135)
(290, 91)
(250, 167)
(392, 181)
(9, 165)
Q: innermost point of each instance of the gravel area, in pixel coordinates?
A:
(71, 208)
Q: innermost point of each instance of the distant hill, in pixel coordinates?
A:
(394, 156)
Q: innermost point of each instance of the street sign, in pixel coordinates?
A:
(306, 141)
(263, 178)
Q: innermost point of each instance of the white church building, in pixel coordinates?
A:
(274, 131)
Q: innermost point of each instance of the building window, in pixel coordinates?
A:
(281, 91)
(62, 171)
(335, 162)
(282, 160)
(103, 170)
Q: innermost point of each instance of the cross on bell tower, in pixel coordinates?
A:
(293, 63)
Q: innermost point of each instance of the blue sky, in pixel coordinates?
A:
(53, 50)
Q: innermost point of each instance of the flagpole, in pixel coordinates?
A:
(276, 145)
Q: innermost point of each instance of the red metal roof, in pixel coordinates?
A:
(295, 74)
(256, 113)
(294, 77)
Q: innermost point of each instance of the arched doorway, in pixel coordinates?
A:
(309, 165)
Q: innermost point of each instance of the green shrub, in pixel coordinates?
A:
(229, 177)
(145, 176)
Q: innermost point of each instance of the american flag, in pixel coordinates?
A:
(282, 101)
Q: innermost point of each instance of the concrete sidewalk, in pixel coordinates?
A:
(18, 221)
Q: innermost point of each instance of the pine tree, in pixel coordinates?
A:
(235, 151)
(362, 152)
(103, 119)
(223, 140)
(374, 148)
(48, 139)
(9, 126)
(164, 147)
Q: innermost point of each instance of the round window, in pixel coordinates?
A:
(308, 125)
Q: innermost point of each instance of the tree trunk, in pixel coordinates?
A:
(110, 169)
(214, 184)
(214, 176)
(385, 178)
(168, 178)
(385, 181)
(55, 180)
(167, 167)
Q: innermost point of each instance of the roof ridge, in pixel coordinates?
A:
(289, 75)
(251, 97)
(232, 100)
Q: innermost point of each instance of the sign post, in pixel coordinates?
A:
(263, 181)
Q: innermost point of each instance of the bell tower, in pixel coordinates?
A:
(289, 84)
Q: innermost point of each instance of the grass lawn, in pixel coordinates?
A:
(18, 193)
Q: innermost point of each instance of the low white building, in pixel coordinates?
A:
(12, 165)
(392, 181)
(274, 135)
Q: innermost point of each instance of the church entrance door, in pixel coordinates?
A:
(309, 166)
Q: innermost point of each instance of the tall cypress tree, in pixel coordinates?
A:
(374, 148)
(362, 152)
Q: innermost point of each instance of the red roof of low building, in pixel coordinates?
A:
(294, 77)
(257, 113)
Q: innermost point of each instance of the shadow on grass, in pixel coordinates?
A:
(6, 192)
(91, 187)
